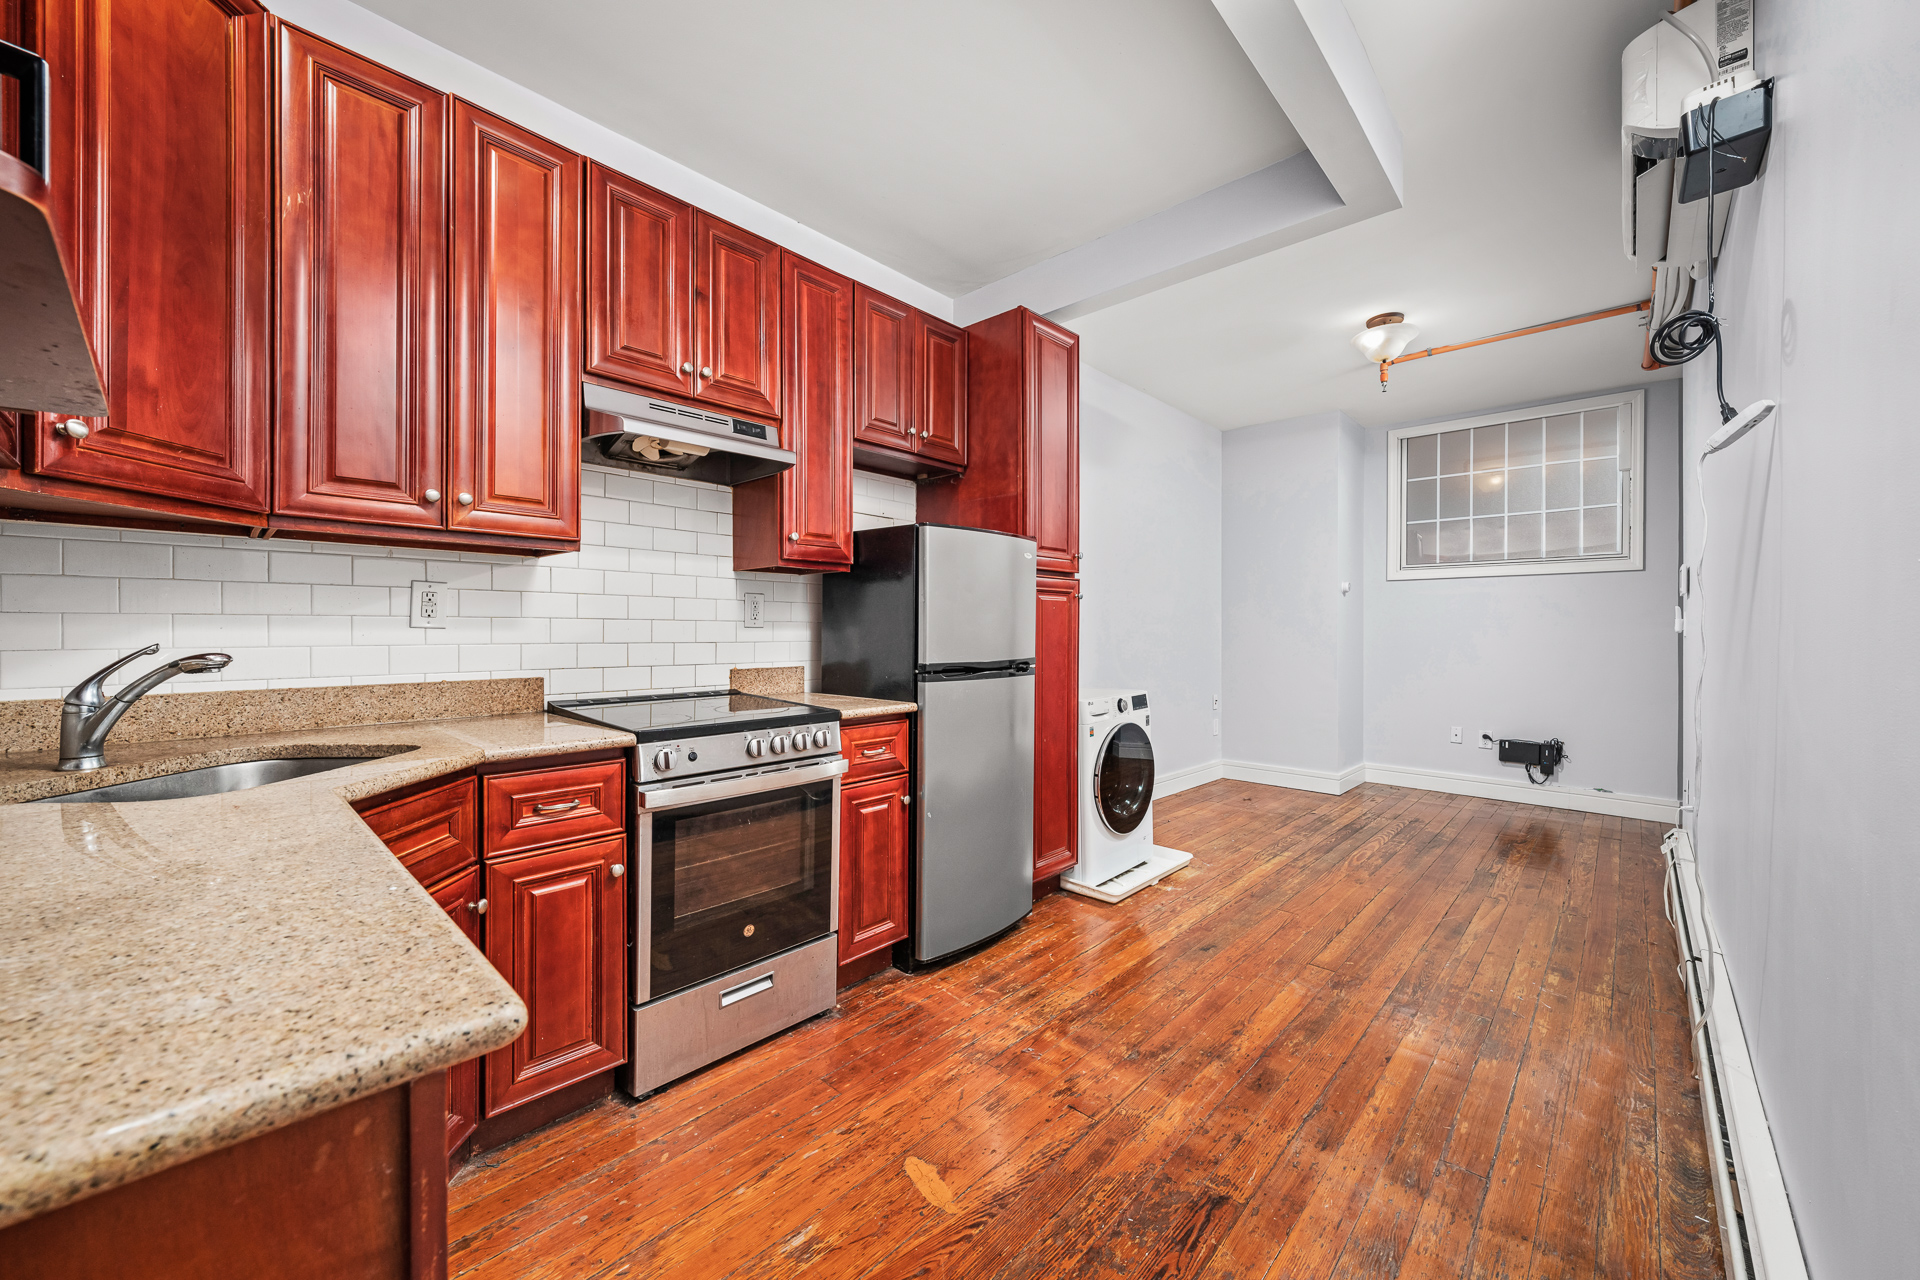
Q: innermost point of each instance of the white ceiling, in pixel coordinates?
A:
(1509, 113)
(955, 143)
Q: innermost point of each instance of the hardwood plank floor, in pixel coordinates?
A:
(1387, 1034)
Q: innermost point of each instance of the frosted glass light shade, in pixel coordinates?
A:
(1384, 342)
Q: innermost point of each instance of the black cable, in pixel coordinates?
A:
(1690, 333)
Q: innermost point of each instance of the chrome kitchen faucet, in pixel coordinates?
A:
(88, 715)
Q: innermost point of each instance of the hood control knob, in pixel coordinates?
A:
(663, 760)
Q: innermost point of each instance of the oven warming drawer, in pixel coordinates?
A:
(685, 1031)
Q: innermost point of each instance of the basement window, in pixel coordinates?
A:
(1551, 489)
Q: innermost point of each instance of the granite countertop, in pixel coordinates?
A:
(851, 708)
(181, 975)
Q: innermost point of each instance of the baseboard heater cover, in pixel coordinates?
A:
(1758, 1238)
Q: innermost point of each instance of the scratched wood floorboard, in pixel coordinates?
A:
(1386, 1034)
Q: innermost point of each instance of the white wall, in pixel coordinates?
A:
(1590, 658)
(1150, 562)
(1291, 640)
(1809, 600)
(649, 602)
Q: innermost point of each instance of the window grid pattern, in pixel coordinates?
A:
(1531, 490)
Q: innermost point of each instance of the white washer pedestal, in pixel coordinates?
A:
(1160, 864)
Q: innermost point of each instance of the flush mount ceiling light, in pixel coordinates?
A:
(1386, 336)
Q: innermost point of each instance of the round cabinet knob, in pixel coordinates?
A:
(73, 429)
(618, 870)
(431, 495)
(779, 744)
(756, 747)
(687, 367)
(478, 908)
(663, 759)
(705, 372)
(926, 433)
(793, 537)
(464, 499)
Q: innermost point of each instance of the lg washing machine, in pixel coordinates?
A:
(1117, 854)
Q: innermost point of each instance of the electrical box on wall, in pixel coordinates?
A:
(1544, 756)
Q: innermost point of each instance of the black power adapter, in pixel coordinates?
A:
(1544, 756)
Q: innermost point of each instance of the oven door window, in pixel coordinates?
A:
(735, 881)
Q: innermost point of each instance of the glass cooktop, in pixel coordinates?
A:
(675, 714)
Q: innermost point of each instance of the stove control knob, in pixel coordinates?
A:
(822, 738)
(756, 747)
(780, 744)
(663, 760)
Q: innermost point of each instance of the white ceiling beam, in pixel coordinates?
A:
(1313, 63)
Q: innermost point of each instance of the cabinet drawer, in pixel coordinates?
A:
(432, 833)
(874, 749)
(553, 806)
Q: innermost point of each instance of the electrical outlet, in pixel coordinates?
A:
(1455, 736)
(756, 602)
(1216, 728)
(1216, 704)
(1486, 742)
(432, 602)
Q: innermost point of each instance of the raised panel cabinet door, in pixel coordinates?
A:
(736, 318)
(1053, 385)
(462, 897)
(940, 384)
(161, 133)
(1056, 721)
(883, 337)
(515, 379)
(873, 867)
(639, 284)
(363, 266)
(557, 932)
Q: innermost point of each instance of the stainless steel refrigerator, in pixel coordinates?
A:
(944, 616)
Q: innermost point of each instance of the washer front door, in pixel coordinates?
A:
(1123, 778)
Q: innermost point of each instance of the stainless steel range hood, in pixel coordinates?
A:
(46, 365)
(660, 437)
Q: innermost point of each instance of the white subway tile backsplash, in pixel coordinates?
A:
(649, 602)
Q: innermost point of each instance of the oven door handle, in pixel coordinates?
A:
(727, 788)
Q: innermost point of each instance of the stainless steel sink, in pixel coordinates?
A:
(211, 781)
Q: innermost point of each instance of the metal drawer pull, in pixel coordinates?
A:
(874, 751)
(558, 808)
(733, 995)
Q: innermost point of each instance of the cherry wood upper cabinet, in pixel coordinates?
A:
(557, 932)
(873, 867)
(514, 380)
(883, 351)
(1056, 723)
(1023, 438)
(940, 383)
(363, 264)
(639, 284)
(802, 519)
(736, 317)
(160, 136)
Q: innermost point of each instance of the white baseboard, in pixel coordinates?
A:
(1167, 784)
(1730, 1093)
(1648, 808)
(1279, 775)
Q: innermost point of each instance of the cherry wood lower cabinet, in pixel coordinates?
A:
(1056, 723)
(873, 866)
(462, 896)
(557, 931)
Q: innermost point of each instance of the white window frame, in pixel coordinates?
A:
(1633, 453)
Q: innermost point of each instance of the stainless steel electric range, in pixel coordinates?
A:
(736, 802)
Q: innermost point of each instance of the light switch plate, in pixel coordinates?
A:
(432, 602)
(756, 612)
